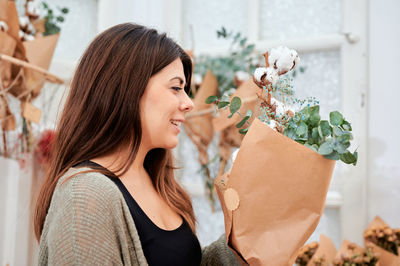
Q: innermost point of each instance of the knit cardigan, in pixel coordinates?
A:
(89, 223)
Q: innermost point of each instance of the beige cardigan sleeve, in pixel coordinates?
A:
(84, 225)
(218, 253)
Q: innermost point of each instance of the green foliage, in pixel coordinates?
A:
(240, 57)
(235, 105)
(329, 138)
(211, 99)
(52, 20)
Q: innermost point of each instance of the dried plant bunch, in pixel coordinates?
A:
(384, 237)
(319, 261)
(353, 257)
(306, 253)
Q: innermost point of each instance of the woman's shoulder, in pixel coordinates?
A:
(84, 184)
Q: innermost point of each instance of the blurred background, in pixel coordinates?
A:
(349, 51)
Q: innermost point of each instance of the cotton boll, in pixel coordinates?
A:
(242, 75)
(32, 9)
(259, 72)
(283, 59)
(272, 75)
(3, 26)
(29, 37)
(21, 34)
(23, 22)
(266, 75)
(280, 107)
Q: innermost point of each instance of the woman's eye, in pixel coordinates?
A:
(177, 88)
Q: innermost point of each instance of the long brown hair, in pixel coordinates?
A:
(102, 112)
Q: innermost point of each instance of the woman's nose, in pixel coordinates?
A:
(187, 104)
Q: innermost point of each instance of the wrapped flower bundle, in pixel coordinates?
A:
(384, 240)
(352, 255)
(275, 193)
(317, 254)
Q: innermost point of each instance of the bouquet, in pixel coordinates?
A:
(275, 193)
(352, 255)
(385, 240)
(317, 254)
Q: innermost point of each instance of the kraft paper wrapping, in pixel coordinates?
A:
(386, 258)
(40, 53)
(199, 128)
(7, 47)
(282, 188)
(325, 249)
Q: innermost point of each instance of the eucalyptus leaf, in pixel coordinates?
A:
(211, 99)
(349, 158)
(314, 119)
(336, 118)
(222, 104)
(301, 129)
(332, 156)
(325, 128)
(325, 148)
(244, 130)
(236, 103)
(346, 126)
(242, 122)
(313, 147)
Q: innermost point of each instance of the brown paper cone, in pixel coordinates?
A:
(345, 251)
(199, 128)
(246, 90)
(282, 188)
(40, 50)
(9, 14)
(386, 258)
(325, 249)
(7, 47)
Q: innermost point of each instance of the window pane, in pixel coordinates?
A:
(297, 19)
(320, 79)
(206, 17)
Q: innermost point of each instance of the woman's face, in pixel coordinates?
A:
(163, 107)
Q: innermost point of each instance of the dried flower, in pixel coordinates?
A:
(31, 10)
(306, 253)
(44, 146)
(266, 76)
(384, 237)
(355, 257)
(283, 59)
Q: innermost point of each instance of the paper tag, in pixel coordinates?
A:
(231, 198)
(31, 113)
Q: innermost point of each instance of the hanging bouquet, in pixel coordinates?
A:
(275, 193)
(27, 44)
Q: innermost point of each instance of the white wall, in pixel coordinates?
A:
(384, 115)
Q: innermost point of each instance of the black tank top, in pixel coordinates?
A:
(161, 247)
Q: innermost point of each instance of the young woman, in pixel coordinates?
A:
(110, 196)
